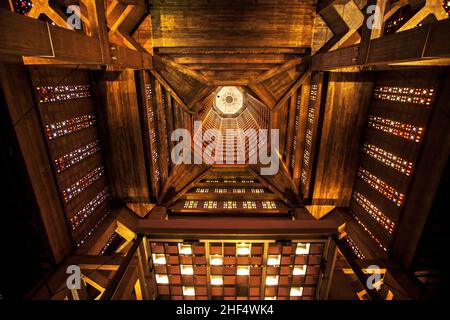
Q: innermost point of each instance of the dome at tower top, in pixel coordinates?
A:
(229, 100)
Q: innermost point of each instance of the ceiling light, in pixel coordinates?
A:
(243, 270)
(271, 280)
(189, 291)
(274, 260)
(216, 260)
(296, 291)
(184, 248)
(216, 280)
(243, 249)
(270, 298)
(229, 100)
(159, 258)
(299, 270)
(187, 270)
(302, 248)
(162, 279)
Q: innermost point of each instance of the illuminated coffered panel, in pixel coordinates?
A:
(294, 138)
(396, 128)
(205, 207)
(153, 138)
(310, 133)
(422, 96)
(237, 270)
(236, 193)
(228, 190)
(67, 115)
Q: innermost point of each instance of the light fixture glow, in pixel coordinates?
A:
(184, 248)
(271, 280)
(299, 270)
(274, 260)
(243, 249)
(162, 279)
(159, 258)
(296, 291)
(216, 280)
(302, 248)
(216, 260)
(189, 291)
(270, 298)
(229, 100)
(243, 270)
(187, 270)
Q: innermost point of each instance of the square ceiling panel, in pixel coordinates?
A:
(237, 270)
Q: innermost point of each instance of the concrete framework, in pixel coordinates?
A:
(182, 79)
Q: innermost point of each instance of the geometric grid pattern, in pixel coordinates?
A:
(310, 124)
(212, 204)
(236, 270)
(379, 217)
(62, 93)
(76, 188)
(391, 160)
(382, 187)
(403, 130)
(78, 218)
(63, 128)
(233, 135)
(404, 94)
(367, 230)
(228, 190)
(154, 135)
(68, 160)
(296, 125)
